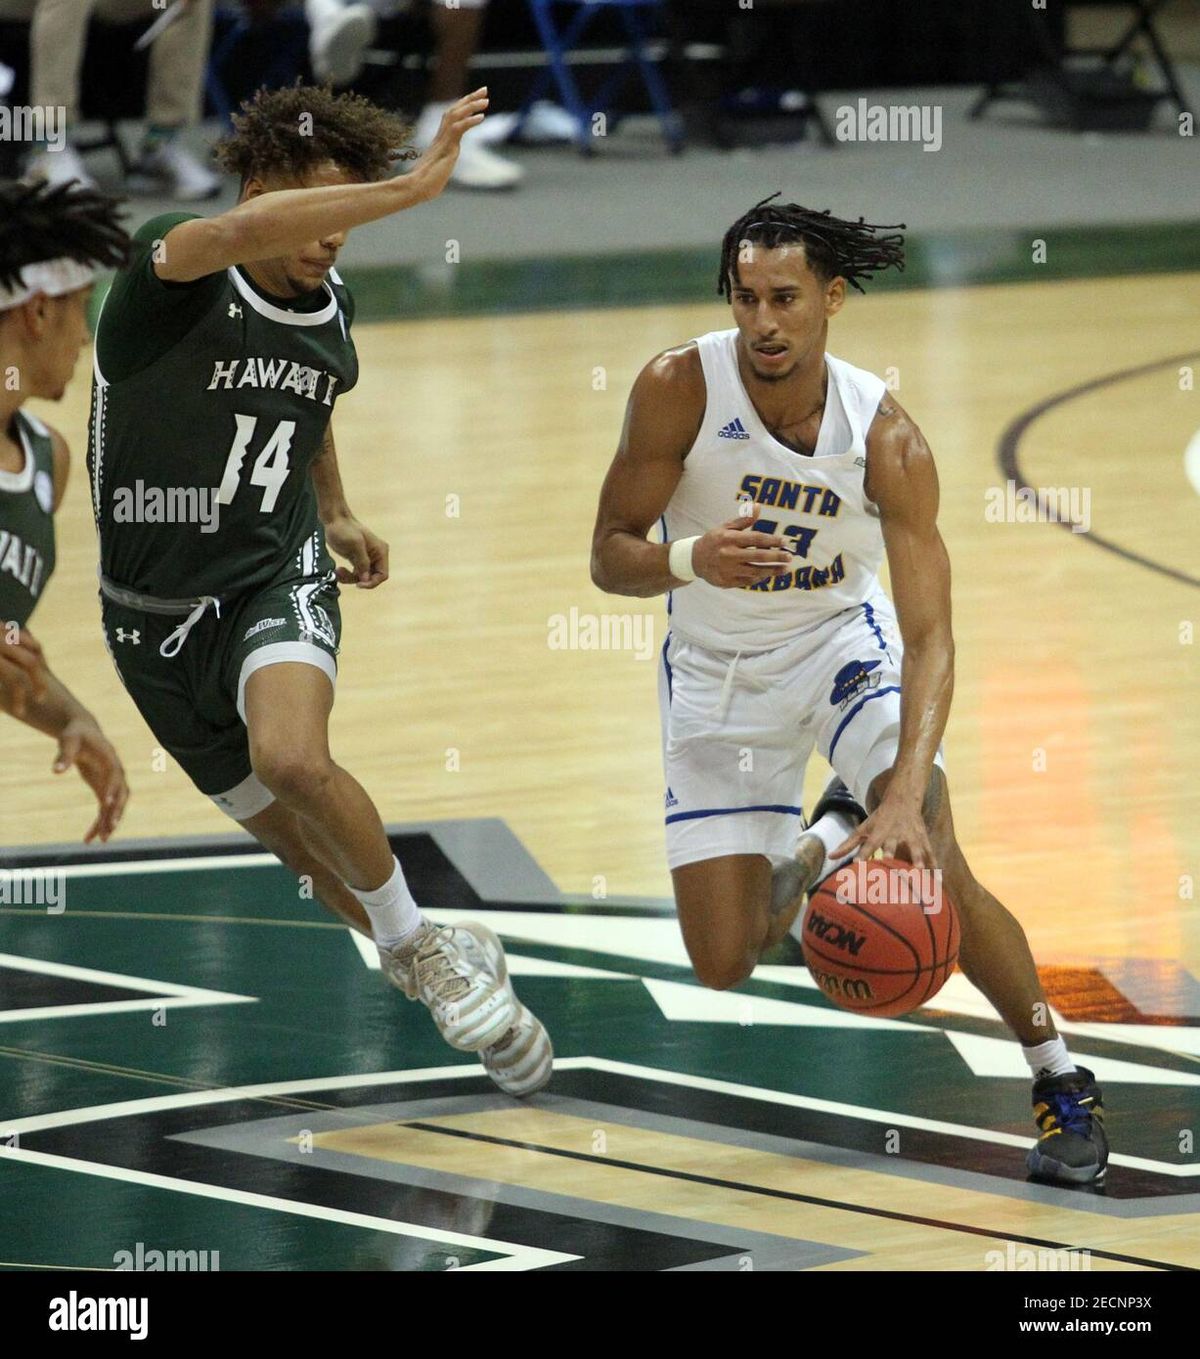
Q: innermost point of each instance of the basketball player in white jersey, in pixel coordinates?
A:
(779, 475)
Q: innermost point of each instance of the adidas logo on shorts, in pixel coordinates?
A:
(733, 430)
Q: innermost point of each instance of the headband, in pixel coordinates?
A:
(52, 277)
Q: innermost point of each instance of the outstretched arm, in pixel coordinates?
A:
(902, 480)
(664, 413)
(274, 224)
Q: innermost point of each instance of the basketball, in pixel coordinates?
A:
(880, 937)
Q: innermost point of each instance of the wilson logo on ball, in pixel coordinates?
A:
(842, 988)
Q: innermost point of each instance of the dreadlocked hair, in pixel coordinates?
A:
(834, 248)
(43, 222)
(293, 130)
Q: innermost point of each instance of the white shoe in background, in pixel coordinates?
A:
(549, 122)
(172, 170)
(57, 167)
(477, 167)
(546, 123)
(339, 36)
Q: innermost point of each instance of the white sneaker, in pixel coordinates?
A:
(172, 170)
(458, 972)
(477, 167)
(549, 122)
(57, 167)
(523, 1060)
(336, 43)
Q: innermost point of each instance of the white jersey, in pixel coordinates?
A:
(818, 501)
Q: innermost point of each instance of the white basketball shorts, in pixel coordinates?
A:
(738, 730)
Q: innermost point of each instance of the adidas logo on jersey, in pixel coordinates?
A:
(733, 430)
(670, 800)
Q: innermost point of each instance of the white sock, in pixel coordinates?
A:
(832, 829)
(1048, 1059)
(393, 913)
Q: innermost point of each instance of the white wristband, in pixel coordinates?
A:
(679, 559)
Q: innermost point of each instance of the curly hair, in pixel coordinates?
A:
(293, 130)
(39, 221)
(834, 248)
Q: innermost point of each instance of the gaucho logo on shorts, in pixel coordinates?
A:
(852, 679)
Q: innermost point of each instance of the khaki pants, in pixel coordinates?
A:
(59, 31)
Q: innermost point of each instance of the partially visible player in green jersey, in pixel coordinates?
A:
(221, 353)
(52, 240)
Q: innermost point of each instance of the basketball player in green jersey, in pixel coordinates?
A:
(51, 242)
(220, 355)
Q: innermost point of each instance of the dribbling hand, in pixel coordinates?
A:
(734, 555)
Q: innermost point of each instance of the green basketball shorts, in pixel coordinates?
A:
(194, 699)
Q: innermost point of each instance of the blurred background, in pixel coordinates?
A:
(645, 121)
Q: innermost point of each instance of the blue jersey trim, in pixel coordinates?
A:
(874, 626)
(732, 811)
(663, 521)
(879, 693)
(667, 665)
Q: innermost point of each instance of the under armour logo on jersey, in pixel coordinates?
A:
(234, 310)
(733, 430)
(134, 636)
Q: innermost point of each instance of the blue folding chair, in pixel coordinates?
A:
(559, 42)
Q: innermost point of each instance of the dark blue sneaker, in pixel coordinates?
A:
(1073, 1148)
(838, 798)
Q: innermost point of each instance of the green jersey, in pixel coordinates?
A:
(26, 522)
(210, 402)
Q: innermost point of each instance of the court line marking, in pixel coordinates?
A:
(518, 1257)
(859, 1111)
(163, 995)
(1008, 448)
(122, 866)
(157, 1103)
(1191, 461)
(790, 1196)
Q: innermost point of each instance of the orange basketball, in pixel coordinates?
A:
(880, 937)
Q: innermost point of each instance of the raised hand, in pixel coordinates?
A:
(433, 168)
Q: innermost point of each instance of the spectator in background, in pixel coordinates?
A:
(173, 96)
(341, 31)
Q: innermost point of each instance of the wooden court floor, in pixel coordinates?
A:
(192, 1058)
